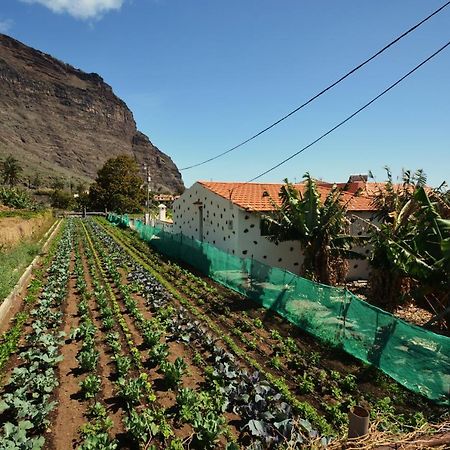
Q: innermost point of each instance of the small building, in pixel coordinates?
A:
(229, 216)
(166, 199)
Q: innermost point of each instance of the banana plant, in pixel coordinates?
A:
(411, 244)
(319, 224)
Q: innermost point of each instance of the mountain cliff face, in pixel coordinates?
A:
(59, 121)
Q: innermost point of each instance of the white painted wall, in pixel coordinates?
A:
(360, 269)
(250, 243)
(231, 229)
(238, 232)
(219, 217)
(166, 226)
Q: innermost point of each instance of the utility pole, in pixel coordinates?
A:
(147, 172)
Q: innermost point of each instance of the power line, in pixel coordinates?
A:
(379, 52)
(354, 114)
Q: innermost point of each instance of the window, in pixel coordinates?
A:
(264, 228)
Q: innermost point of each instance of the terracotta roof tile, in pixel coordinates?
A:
(250, 195)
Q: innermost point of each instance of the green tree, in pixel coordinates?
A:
(62, 199)
(81, 188)
(11, 170)
(319, 224)
(118, 186)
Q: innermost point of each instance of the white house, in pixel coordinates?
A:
(228, 215)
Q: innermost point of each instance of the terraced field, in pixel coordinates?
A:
(116, 347)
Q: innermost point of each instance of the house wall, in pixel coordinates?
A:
(166, 226)
(238, 232)
(250, 243)
(359, 269)
(231, 229)
(219, 218)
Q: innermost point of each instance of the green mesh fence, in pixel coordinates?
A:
(416, 358)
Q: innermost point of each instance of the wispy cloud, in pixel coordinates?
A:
(80, 9)
(5, 25)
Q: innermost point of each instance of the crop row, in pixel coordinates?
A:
(10, 338)
(27, 399)
(265, 415)
(299, 367)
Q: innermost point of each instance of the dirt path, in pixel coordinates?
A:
(70, 411)
(105, 364)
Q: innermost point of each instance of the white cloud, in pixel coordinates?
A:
(81, 9)
(5, 25)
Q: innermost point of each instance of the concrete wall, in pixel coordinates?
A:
(166, 226)
(360, 269)
(200, 214)
(250, 243)
(203, 215)
(230, 228)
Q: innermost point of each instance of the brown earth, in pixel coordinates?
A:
(70, 411)
(59, 120)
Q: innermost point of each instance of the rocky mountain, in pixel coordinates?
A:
(62, 122)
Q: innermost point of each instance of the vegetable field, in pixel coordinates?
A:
(118, 348)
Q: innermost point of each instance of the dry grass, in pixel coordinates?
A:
(427, 436)
(22, 228)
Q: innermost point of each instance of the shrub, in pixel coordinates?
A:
(16, 198)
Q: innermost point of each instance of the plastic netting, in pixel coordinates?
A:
(416, 358)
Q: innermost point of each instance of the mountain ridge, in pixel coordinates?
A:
(61, 121)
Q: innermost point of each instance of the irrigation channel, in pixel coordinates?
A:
(118, 348)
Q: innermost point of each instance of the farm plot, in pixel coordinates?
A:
(118, 348)
(106, 357)
(307, 373)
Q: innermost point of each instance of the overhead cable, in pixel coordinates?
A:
(352, 115)
(359, 66)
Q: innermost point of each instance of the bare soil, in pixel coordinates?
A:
(70, 411)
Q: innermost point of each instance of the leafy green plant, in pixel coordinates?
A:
(349, 383)
(96, 410)
(151, 338)
(141, 426)
(108, 323)
(305, 383)
(100, 424)
(123, 364)
(275, 362)
(16, 198)
(208, 427)
(274, 334)
(319, 223)
(113, 341)
(188, 403)
(173, 372)
(198, 359)
(175, 444)
(16, 437)
(88, 358)
(158, 353)
(132, 390)
(90, 386)
(258, 323)
(100, 441)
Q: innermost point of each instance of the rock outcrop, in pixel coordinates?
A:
(60, 121)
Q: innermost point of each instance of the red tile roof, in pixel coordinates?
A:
(250, 195)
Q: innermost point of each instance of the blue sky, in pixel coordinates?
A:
(202, 75)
